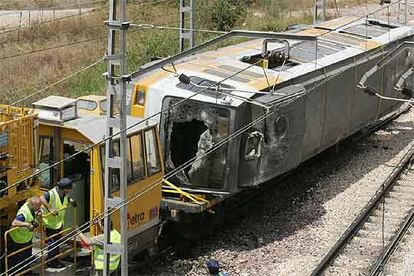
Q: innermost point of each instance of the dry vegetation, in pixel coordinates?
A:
(24, 72)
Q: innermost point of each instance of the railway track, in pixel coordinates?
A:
(369, 241)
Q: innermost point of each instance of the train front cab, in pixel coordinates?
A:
(57, 141)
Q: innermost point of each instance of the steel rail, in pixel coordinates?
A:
(377, 268)
(352, 230)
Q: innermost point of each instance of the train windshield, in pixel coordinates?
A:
(190, 133)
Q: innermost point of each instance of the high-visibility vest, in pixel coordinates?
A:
(23, 234)
(55, 221)
(98, 254)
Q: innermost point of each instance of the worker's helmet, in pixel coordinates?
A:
(65, 183)
(213, 266)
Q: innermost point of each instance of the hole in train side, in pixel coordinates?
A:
(191, 130)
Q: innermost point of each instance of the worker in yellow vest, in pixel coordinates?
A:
(22, 235)
(96, 243)
(53, 218)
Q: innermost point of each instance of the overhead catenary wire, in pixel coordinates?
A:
(115, 134)
(136, 195)
(340, 72)
(52, 85)
(8, 30)
(92, 27)
(51, 48)
(89, 223)
(100, 38)
(14, 29)
(152, 186)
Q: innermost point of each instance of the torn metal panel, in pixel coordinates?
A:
(190, 130)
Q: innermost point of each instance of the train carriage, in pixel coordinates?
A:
(305, 80)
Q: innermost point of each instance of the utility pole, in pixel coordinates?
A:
(324, 10)
(115, 158)
(186, 34)
(319, 4)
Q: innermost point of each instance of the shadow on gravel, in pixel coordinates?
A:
(283, 207)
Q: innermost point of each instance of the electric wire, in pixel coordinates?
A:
(41, 36)
(52, 48)
(156, 183)
(99, 217)
(105, 139)
(323, 82)
(8, 30)
(50, 86)
(117, 133)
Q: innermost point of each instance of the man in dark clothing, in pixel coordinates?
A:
(55, 202)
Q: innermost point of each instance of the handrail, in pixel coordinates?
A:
(192, 197)
(41, 243)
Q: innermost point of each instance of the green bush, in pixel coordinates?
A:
(225, 13)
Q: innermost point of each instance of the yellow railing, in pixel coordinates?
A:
(42, 241)
(176, 190)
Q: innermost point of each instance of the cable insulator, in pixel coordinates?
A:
(184, 79)
(370, 90)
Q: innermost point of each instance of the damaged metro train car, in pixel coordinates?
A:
(303, 84)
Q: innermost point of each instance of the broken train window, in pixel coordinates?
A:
(151, 147)
(193, 128)
(280, 127)
(253, 145)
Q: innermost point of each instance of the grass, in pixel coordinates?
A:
(27, 73)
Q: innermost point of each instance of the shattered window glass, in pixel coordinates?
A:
(253, 145)
(152, 156)
(280, 127)
(193, 129)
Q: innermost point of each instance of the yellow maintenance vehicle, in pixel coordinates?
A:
(18, 132)
(35, 139)
(64, 131)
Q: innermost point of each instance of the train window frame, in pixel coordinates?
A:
(133, 172)
(130, 165)
(89, 105)
(158, 167)
(103, 105)
(254, 152)
(140, 98)
(115, 175)
(280, 135)
(48, 162)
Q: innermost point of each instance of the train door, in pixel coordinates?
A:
(46, 154)
(78, 169)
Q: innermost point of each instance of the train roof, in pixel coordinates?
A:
(338, 39)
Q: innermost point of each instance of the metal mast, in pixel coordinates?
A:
(186, 34)
(115, 157)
